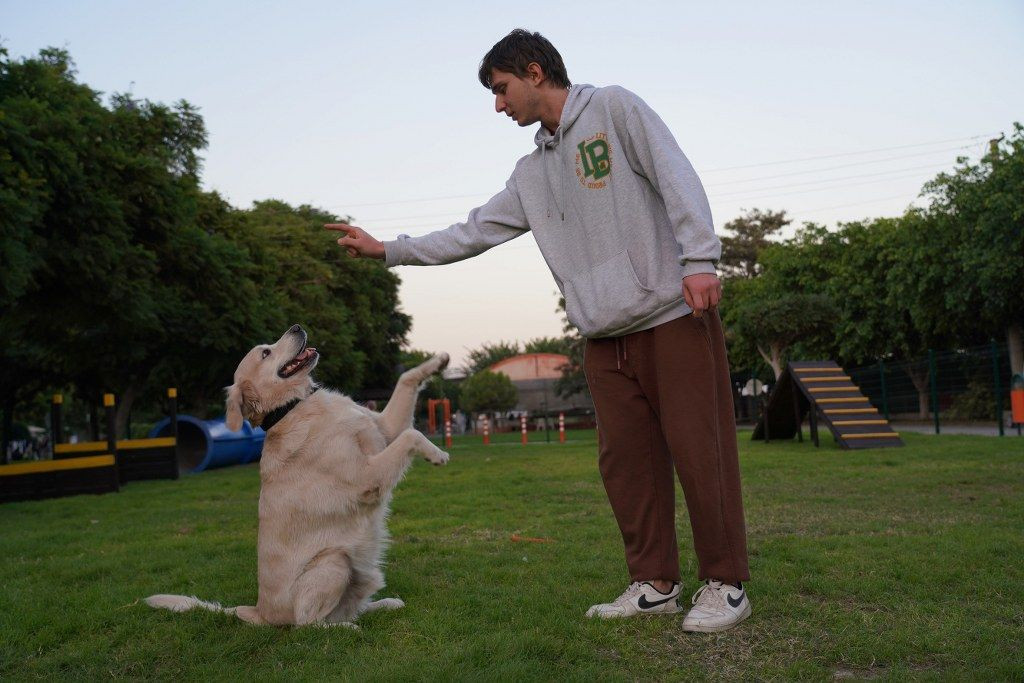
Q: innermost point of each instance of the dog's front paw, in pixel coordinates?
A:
(436, 456)
(442, 361)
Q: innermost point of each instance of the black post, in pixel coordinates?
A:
(932, 380)
(796, 409)
(108, 406)
(999, 388)
(55, 427)
(172, 410)
(885, 394)
(812, 415)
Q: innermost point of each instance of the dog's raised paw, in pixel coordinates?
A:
(437, 456)
(442, 361)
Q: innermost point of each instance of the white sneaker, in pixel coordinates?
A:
(717, 606)
(639, 598)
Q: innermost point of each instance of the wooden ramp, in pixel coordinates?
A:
(827, 395)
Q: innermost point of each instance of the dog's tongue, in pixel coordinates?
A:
(308, 353)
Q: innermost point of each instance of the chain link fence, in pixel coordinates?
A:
(967, 387)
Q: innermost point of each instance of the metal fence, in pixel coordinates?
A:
(969, 385)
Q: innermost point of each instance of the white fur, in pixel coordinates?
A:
(327, 472)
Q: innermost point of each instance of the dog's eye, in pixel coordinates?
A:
(266, 352)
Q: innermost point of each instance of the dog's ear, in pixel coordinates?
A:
(243, 402)
(233, 408)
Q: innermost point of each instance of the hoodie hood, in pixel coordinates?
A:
(575, 103)
(579, 97)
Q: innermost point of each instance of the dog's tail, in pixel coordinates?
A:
(183, 603)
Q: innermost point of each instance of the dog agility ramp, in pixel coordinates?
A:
(826, 394)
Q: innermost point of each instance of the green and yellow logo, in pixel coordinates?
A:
(593, 161)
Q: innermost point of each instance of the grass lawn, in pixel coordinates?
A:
(887, 563)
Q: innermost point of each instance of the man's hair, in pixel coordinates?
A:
(513, 53)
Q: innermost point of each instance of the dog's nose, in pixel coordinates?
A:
(295, 328)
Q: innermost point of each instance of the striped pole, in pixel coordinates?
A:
(448, 433)
(522, 427)
(487, 430)
(561, 428)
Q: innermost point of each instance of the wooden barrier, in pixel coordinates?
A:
(55, 478)
(137, 459)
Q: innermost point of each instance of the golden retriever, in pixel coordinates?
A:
(326, 476)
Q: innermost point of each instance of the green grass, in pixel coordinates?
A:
(887, 563)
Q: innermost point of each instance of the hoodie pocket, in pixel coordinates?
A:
(608, 297)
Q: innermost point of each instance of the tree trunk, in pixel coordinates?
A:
(920, 379)
(94, 421)
(124, 407)
(773, 357)
(1015, 342)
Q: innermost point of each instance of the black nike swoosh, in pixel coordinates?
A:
(643, 603)
(739, 600)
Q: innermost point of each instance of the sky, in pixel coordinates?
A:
(830, 111)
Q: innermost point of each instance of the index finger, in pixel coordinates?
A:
(340, 227)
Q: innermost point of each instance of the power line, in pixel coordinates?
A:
(822, 189)
(829, 180)
(846, 206)
(834, 168)
(711, 188)
(845, 154)
(710, 170)
(394, 231)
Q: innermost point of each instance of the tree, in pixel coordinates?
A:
(349, 306)
(489, 354)
(126, 277)
(976, 215)
(559, 345)
(774, 323)
(488, 391)
(741, 252)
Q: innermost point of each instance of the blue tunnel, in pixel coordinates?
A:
(206, 444)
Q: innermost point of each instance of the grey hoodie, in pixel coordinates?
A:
(617, 211)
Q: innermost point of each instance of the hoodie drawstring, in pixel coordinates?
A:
(560, 200)
(561, 176)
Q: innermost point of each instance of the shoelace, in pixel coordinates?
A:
(708, 596)
(633, 589)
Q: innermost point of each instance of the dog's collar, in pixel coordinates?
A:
(277, 414)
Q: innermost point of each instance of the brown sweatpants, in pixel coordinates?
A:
(663, 398)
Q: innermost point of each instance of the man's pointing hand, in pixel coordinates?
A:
(357, 242)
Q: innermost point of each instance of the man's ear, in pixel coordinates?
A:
(535, 73)
(233, 408)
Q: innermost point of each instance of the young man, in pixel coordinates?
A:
(624, 225)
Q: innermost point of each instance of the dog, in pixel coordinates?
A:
(327, 473)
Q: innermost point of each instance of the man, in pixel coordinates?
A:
(624, 225)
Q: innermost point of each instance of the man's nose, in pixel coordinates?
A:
(499, 104)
